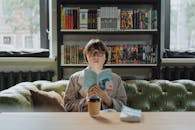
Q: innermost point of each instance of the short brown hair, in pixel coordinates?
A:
(95, 44)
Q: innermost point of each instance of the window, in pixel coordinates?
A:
(23, 25)
(28, 42)
(182, 25)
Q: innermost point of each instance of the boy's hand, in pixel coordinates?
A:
(96, 91)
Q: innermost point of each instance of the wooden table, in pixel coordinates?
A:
(107, 121)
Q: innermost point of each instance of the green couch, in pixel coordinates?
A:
(154, 95)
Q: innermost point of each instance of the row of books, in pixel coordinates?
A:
(117, 54)
(108, 18)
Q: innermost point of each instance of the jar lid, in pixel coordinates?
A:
(93, 99)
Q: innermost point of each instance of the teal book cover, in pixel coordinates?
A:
(102, 79)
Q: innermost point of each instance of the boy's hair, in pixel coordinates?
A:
(95, 44)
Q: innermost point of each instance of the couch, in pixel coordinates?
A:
(153, 95)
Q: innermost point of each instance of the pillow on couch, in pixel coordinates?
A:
(47, 101)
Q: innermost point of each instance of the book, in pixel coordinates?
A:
(83, 19)
(130, 114)
(102, 79)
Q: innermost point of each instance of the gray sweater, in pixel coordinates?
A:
(75, 94)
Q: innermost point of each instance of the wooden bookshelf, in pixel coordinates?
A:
(145, 18)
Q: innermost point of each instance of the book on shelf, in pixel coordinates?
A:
(150, 18)
(63, 57)
(63, 20)
(119, 53)
(126, 18)
(102, 79)
(114, 54)
(108, 18)
(70, 17)
(67, 54)
(80, 56)
(125, 54)
(92, 18)
(109, 54)
(84, 19)
(154, 19)
(73, 54)
(138, 18)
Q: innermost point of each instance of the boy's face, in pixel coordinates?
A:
(96, 58)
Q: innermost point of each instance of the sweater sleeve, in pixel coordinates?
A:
(73, 101)
(119, 94)
(121, 97)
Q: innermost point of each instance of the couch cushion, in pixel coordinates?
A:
(14, 102)
(17, 98)
(47, 101)
(58, 86)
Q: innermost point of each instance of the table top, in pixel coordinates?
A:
(107, 121)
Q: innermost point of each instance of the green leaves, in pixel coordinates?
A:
(22, 14)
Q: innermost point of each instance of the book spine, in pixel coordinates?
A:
(83, 19)
(66, 18)
(89, 19)
(62, 54)
(63, 15)
(155, 19)
(149, 18)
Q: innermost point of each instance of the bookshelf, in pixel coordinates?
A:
(130, 28)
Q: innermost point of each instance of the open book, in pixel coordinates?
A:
(102, 79)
